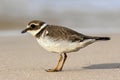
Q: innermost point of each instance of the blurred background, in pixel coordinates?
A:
(21, 58)
(87, 16)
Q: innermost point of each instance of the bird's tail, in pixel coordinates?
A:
(100, 38)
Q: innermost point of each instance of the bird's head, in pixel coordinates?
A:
(34, 27)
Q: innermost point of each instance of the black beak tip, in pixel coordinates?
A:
(24, 31)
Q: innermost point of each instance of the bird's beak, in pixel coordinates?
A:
(25, 30)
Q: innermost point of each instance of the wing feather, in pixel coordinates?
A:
(59, 32)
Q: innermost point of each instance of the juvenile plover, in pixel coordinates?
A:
(59, 39)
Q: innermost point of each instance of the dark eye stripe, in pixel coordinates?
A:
(33, 26)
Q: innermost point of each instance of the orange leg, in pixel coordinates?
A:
(60, 64)
(65, 57)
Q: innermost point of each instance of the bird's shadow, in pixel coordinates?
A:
(99, 66)
(103, 66)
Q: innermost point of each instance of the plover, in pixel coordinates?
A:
(59, 39)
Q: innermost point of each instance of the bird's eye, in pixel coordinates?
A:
(33, 26)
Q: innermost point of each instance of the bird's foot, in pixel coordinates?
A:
(52, 70)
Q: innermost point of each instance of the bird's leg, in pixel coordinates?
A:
(58, 67)
(65, 57)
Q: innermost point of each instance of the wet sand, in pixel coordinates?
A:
(21, 58)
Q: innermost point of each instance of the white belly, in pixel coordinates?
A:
(59, 46)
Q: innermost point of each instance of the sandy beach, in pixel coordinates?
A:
(21, 58)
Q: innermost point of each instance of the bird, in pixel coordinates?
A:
(59, 39)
